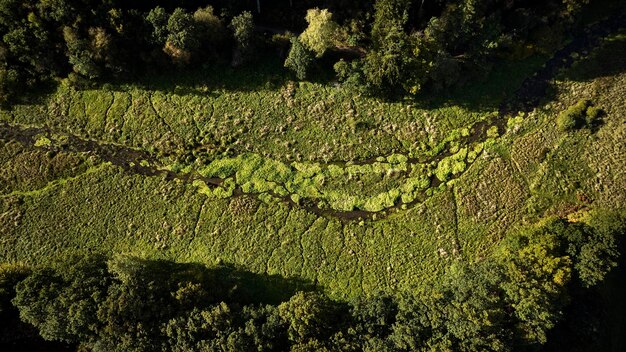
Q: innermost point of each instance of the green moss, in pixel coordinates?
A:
(492, 132)
(43, 142)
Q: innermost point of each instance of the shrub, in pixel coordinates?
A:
(593, 115)
(574, 116)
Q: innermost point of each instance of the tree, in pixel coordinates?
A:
(388, 15)
(37, 300)
(536, 272)
(321, 31)
(593, 251)
(10, 276)
(375, 315)
(384, 67)
(307, 316)
(211, 31)
(299, 59)
(62, 303)
(242, 27)
(79, 55)
(182, 39)
(199, 327)
(158, 18)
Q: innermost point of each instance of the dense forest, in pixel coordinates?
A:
(380, 47)
(507, 302)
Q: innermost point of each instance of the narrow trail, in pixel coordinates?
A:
(530, 94)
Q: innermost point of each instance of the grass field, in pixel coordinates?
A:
(431, 179)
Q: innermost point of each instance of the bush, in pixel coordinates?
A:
(593, 115)
(581, 114)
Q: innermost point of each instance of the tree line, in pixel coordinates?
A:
(383, 46)
(508, 301)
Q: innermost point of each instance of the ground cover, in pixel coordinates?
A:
(477, 189)
(201, 115)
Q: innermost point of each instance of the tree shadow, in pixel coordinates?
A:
(496, 86)
(251, 287)
(264, 72)
(606, 60)
(225, 282)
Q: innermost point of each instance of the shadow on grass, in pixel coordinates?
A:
(227, 283)
(38, 96)
(607, 60)
(259, 288)
(266, 72)
(263, 73)
(489, 92)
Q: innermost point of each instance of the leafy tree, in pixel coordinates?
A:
(475, 318)
(384, 67)
(200, 327)
(593, 251)
(375, 315)
(299, 59)
(37, 300)
(62, 303)
(242, 27)
(307, 315)
(79, 54)
(389, 15)
(182, 39)
(536, 272)
(158, 18)
(211, 31)
(321, 31)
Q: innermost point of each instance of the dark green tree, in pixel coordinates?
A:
(242, 27)
(182, 39)
(158, 18)
(299, 59)
(308, 316)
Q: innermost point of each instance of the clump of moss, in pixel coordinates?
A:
(452, 165)
(582, 114)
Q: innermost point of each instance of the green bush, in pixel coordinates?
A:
(581, 114)
(593, 115)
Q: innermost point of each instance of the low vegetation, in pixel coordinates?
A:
(581, 114)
